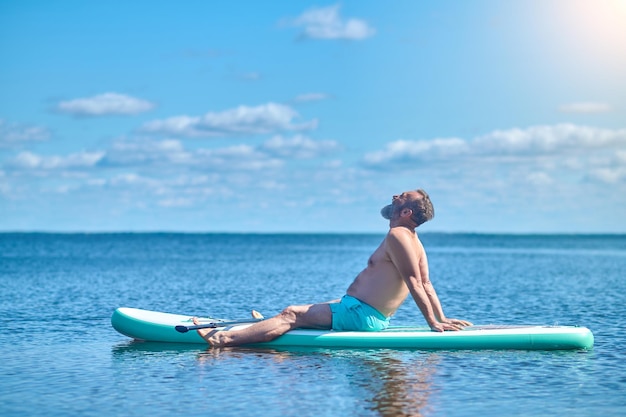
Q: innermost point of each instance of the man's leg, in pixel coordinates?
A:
(312, 316)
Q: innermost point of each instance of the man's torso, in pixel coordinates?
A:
(380, 283)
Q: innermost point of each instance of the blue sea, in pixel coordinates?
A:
(61, 357)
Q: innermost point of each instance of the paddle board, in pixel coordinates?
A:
(160, 327)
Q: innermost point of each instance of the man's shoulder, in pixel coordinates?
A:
(400, 232)
(401, 236)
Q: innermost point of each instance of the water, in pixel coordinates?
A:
(61, 357)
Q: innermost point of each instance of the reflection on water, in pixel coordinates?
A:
(307, 381)
(405, 387)
(396, 383)
(375, 382)
(132, 347)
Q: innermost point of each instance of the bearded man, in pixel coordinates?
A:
(397, 268)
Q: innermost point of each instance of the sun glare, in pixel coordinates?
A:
(591, 32)
(603, 23)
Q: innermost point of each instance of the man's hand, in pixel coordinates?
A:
(441, 327)
(449, 324)
(462, 323)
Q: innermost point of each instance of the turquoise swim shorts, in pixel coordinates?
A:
(353, 314)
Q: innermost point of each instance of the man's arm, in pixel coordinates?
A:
(428, 286)
(432, 294)
(403, 254)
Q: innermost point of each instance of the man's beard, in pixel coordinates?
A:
(387, 212)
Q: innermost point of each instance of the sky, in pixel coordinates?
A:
(301, 116)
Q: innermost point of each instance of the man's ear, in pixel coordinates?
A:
(406, 212)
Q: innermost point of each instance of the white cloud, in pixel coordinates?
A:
(325, 23)
(34, 162)
(169, 154)
(405, 151)
(304, 98)
(134, 180)
(334, 164)
(243, 120)
(250, 76)
(521, 152)
(520, 143)
(143, 152)
(543, 140)
(540, 179)
(298, 147)
(609, 175)
(105, 104)
(585, 107)
(177, 202)
(14, 134)
(237, 158)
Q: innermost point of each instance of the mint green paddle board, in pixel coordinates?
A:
(160, 327)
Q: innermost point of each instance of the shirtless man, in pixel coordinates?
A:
(396, 269)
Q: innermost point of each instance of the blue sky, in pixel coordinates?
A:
(298, 116)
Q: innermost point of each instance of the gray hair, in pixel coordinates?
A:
(422, 208)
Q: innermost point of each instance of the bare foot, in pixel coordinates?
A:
(257, 315)
(207, 333)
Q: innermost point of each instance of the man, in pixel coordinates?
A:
(396, 269)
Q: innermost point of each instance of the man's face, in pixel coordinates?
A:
(387, 212)
(398, 202)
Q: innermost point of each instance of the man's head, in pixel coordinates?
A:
(415, 204)
(422, 208)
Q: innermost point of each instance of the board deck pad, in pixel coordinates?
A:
(160, 327)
